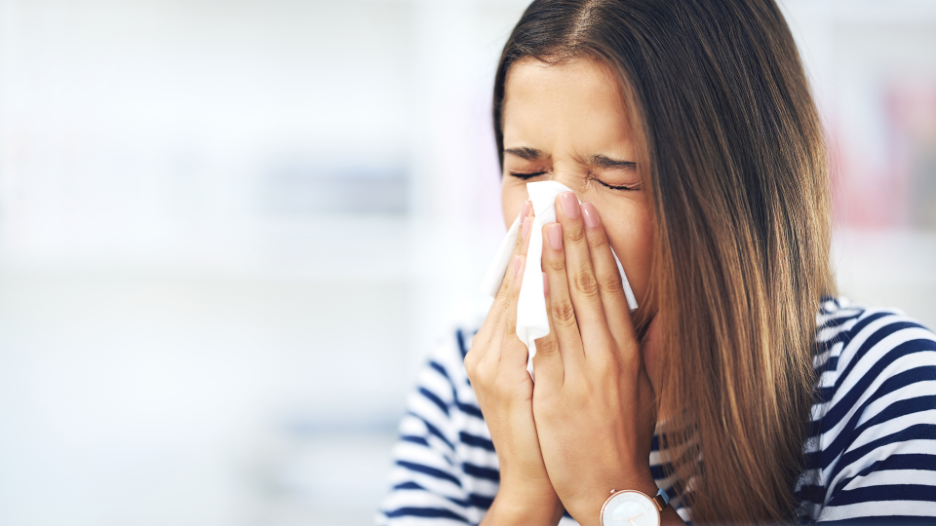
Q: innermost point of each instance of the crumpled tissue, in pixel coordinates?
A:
(532, 318)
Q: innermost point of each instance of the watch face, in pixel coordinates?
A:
(630, 508)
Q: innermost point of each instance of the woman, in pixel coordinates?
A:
(687, 130)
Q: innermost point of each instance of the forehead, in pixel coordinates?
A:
(576, 102)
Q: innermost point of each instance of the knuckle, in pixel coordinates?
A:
(605, 364)
(479, 374)
(513, 296)
(471, 368)
(585, 284)
(564, 313)
(575, 232)
(504, 288)
(510, 325)
(515, 289)
(629, 358)
(598, 241)
(471, 361)
(556, 264)
(547, 346)
(610, 283)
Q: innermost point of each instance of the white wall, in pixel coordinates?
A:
(197, 326)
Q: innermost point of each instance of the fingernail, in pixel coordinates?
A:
(518, 261)
(569, 203)
(545, 284)
(590, 215)
(554, 233)
(527, 223)
(526, 208)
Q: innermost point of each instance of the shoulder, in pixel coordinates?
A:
(448, 355)
(443, 402)
(861, 348)
(443, 380)
(874, 429)
(444, 466)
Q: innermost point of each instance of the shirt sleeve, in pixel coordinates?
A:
(428, 480)
(881, 452)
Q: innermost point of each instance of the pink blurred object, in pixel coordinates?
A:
(886, 177)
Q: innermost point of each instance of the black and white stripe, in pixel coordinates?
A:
(871, 450)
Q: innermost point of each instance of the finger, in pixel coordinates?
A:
(515, 351)
(547, 364)
(561, 311)
(517, 261)
(608, 277)
(493, 327)
(583, 286)
(503, 294)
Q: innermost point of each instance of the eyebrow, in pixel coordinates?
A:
(602, 161)
(530, 154)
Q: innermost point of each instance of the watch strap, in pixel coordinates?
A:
(661, 499)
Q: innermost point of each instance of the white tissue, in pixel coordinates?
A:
(532, 318)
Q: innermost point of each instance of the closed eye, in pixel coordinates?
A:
(630, 187)
(527, 175)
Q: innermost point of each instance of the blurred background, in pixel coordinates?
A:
(231, 230)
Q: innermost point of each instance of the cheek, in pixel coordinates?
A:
(631, 236)
(512, 198)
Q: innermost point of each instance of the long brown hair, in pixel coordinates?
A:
(733, 157)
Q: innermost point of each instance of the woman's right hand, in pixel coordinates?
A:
(496, 366)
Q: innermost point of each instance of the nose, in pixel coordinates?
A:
(560, 176)
(573, 181)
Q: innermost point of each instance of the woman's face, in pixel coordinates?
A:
(567, 122)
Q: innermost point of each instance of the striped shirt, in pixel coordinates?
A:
(871, 449)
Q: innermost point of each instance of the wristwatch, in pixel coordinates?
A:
(633, 508)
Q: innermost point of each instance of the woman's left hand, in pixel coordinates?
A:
(593, 402)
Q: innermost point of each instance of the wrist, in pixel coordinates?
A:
(586, 506)
(524, 505)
